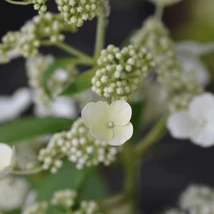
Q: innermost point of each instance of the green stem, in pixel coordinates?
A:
(27, 172)
(71, 50)
(101, 28)
(159, 11)
(18, 2)
(153, 136)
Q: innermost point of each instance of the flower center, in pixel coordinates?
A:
(110, 125)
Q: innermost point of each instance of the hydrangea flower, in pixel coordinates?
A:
(6, 159)
(14, 105)
(196, 123)
(109, 123)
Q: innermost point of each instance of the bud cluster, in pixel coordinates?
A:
(65, 198)
(43, 28)
(77, 11)
(37, 208)
(68, 199)
(40, 5)
(120, 72)
(36, 66)
(79, 146)
(156, 38)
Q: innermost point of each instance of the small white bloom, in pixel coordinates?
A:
(196, 123)
(109, 123)
(6, 159)
(60, 107)
(13, 106)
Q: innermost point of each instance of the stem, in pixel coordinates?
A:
(155, 134)
(27, 172)
(18, 2)
(101, 28)
(71, 50)
(159, 11)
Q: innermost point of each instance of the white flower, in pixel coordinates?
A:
(13, 192)
(13, 106)
(60, 107)
(194, 49)
(196, 123)
(193, 64)
(6, 159)
(109, 123)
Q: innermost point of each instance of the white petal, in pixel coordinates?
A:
(121, 134)
(180, 125)
(6, 154)
(101, 131)
(202, 107)
(204, 137)
(120, 112)
(93, 112)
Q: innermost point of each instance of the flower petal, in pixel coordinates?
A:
(101, 131)
(93, 112)
(120, 112)
(202, 107)
(180, 125)
(6, 154)
(121, 134)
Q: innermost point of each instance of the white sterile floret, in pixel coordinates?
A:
(110, 123)
(6, 159)
(196, 123)
(36, 208)
(13, 192)
(14, 105)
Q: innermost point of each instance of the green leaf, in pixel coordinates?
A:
(94, 187)
(30, 127)
(68, 177)
(81, 83)
(137, 111)
(58, 63)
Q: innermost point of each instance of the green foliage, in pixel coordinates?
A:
(81, 83)
(30, 127)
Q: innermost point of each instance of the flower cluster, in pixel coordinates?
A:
(77, 11)
(79, 146)
(8, 46)
(66, 198)
(40, 207)
(40, 5)
(36, 67)
(120, 72)
(196, 123)
(155, 37)
(196, 199)
(33, 34)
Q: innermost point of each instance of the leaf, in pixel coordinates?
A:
(81, 83)
(58, 63)
(30, 127)
(68, 177)
(137, 111)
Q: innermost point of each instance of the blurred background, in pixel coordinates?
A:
(164, 176)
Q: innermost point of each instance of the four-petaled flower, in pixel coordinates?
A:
(109, 123)
(6, 159)
(196, 123)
